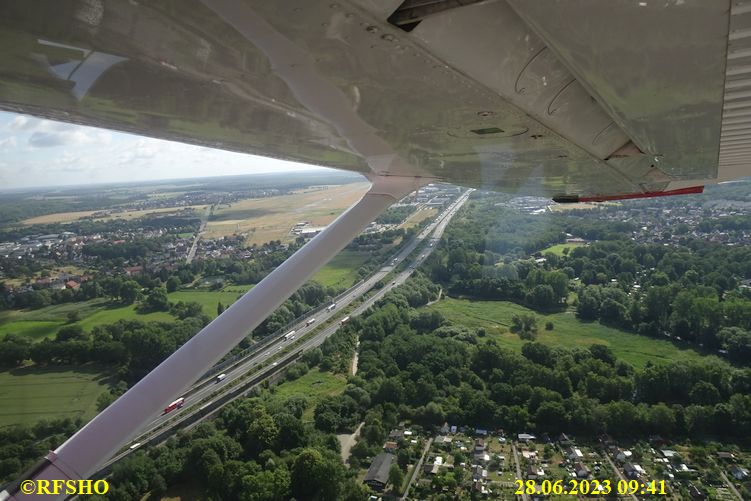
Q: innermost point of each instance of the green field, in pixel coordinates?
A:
(30, 394)
(341, 272)
(209, 299)
(314, 385)
(111, 314)
(569, 332)
(36, 330)
(558, 248)
(45, 322)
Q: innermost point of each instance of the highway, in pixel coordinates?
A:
(304, 340)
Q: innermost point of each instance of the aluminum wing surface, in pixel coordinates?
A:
(576, 99)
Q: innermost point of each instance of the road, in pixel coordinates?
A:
(303, 340)
(417, 468)
(617, 472)
(204, 220)
(730, 485)
(519, 470)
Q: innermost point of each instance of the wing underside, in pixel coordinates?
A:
(577, 98)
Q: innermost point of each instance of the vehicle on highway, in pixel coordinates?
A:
(331, 307)
(309, 322)
(220, 377)
(175, 405)
(344, 320)
(290, 335)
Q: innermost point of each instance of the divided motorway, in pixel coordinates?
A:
(269, 355)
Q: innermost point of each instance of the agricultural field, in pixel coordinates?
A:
(419, 216)
(341, 272)
(67, 217)
(272, 218)
(568, 332)
(59, 217)
(29, 394)
(558, 249)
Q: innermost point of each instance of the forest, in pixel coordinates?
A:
(416, 367)
(691, 293)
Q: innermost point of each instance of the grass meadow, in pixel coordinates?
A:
(30, 394)
(568, 332)
(315, 385)
(341, 272)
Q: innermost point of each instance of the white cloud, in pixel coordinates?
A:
(19, 123)
(40, 152)
(70, 135)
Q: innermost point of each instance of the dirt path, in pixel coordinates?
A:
(440, 293)
(417, 468)
(618, 472)
(730, 485)
(354, 359)
(519, 470)
(348, 441)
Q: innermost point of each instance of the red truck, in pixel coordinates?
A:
(175, 405)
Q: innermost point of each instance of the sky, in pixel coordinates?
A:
(39, 153)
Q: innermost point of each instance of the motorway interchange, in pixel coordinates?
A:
(209, 390)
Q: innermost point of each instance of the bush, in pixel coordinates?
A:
(549, 326)
(296, 371)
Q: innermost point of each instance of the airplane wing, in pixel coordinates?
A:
(576, 99)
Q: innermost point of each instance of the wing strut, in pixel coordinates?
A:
(104, 435)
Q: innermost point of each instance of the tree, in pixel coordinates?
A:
(172, 284)
(588, 306)
(603, 352)
(157, 300)
(396, 478)
(262, 432)
(14, 350)
(129, 291)
(525, 325)
(538, 353)
(704, 393)
(70, 332)
(219, 308)
(315, 477)
(543, 296)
